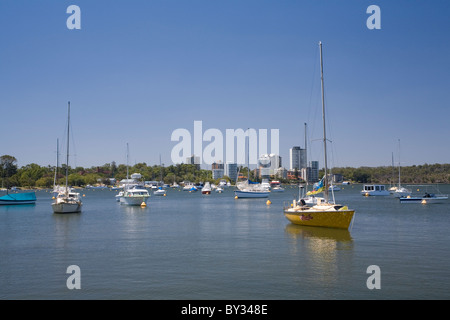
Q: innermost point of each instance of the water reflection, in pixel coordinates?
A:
(325, 254)
(66, 228)
(317, 233)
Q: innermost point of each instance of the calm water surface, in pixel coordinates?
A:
(194, 246)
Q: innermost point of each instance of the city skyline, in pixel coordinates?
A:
(137, 70)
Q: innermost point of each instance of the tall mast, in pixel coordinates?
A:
(325, 185)
(57, 162)
(306, 158)
(67, 156)
(399, 163)
(127, 162)
(248, 156)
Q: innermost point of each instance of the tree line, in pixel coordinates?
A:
(36, 176)
(416, 174)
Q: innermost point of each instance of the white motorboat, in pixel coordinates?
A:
(276, 186)
(134, 196)
(160, 192)
(188, 186)
(431, 194)
(206, 188)
(374, 190)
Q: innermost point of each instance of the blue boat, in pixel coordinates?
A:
(18, 198)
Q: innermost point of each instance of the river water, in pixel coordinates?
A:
(194, 246)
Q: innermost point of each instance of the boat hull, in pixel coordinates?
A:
(251, 194)
(375, 193)
(423, 200)
(133, 201)
(340, 219)
(18, 198)
(8, 202)
(66, 207)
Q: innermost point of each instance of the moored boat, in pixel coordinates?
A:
(18, 198)
(160, 192)
(374, 190)
(134, 196)
(206, 188)
(327, 213)
(430, 195)
(66, 200)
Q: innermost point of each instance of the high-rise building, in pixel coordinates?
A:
(297, 157)
(193, 160)
(217, 173)
(218, 165)
(312, 172)
(217, 170)
(231, 170)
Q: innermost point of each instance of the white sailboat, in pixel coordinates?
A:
(67, 200)
(327, 213)
(249, 189)
(400, 191)
(160, 191)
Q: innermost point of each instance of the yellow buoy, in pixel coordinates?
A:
(84, 195)
(164, 194)
(268, 202)
(143, 204)
(235, 197)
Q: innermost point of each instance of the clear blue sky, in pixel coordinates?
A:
(138, 70)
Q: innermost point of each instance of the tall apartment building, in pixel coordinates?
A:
(297, 158)
(231, 170)
(193, 160)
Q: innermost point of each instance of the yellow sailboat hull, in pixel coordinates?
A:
(340, 218)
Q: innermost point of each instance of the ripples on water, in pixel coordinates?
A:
(194, 246)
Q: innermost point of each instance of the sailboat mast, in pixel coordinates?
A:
(325, 185)
(57, 162)
(399, 163)
(68, 135)
(248, 156)
(127, 162)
